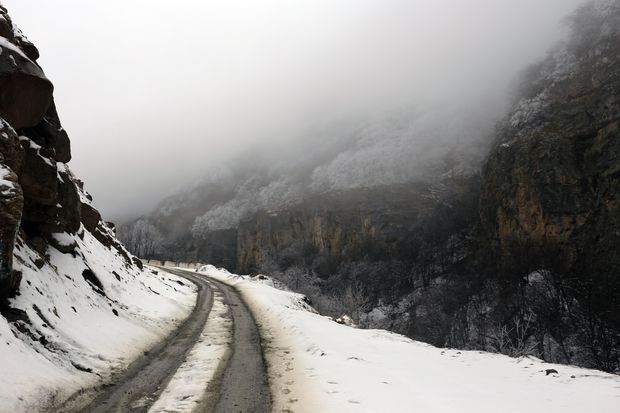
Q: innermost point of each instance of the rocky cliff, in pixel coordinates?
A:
(552, 180)
(331, 229)
(550, 189)
(39, 196)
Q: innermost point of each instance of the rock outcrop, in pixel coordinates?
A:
(25, 92)
(550, 199)
(552, 180)
(39, 196)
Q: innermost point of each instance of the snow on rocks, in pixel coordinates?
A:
(79, 317)
(316, 364)
(7, 186)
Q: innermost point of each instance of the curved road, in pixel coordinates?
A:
(239, 386)
(242, 386)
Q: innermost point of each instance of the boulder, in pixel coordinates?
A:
(25, 92)
(90, 217)
(62, 244)
(137, 262)
(39, 175)
(50, 134)
(69, 199)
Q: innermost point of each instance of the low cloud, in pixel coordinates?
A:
(155, 94)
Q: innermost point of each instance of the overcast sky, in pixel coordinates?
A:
(152, 92)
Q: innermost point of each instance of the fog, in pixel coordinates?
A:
(154, 94)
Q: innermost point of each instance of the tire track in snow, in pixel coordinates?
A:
(244, 385)
(186, 392)
(241, 384)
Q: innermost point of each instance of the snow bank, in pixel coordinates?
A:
(88, 315)
(316, 365)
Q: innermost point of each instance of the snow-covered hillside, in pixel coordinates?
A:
(78, 318)
(318, 365)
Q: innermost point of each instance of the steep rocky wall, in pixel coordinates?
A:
(553, 180)
(407, 224)
(337, 226)
(550, 199)
(39, 196)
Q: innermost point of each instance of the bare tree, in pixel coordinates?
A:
(355, 300)
(514, 339)
(143, 238)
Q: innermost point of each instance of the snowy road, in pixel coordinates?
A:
(242, 385)
(237, 382)
(138, 387)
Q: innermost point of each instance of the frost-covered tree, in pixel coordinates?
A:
(142, 238)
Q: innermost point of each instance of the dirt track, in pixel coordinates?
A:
(239, 386)
(139, 386)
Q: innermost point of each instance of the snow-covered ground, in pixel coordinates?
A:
(78, 335)
(318, 365)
